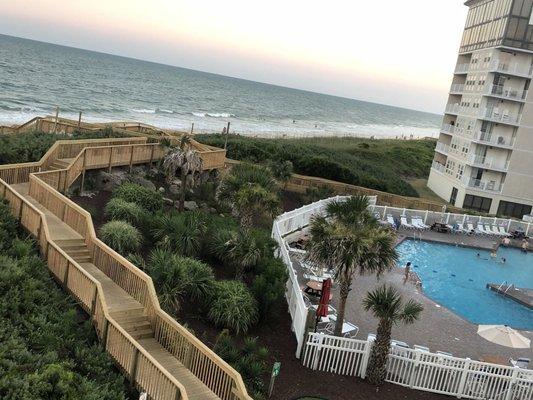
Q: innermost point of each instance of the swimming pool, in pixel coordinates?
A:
(456, 278)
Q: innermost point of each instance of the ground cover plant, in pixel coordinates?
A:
(48, 349)
(377, 164)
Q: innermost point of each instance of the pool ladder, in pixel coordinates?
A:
(507, 288)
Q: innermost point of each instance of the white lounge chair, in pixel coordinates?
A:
(418, 223)
(460, 228)
(480, 229)
(421, 348)
(520, 362)
(495, 230)
(445, 353)
(405, 224)
(470, 228)
(503, 232)
(390, 221)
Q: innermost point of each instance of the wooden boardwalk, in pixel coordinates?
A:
(157, 354)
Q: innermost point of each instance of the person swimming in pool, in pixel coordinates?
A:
(503, 260)
(407, 272)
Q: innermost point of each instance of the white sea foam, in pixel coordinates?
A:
(213, 115)
(143, 111)
(165, 111)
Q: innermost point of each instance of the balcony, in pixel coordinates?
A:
(502, 117)
(511, 68)
(438, 167)
(487, 163)
(447, 128)
(457, 88)
(462, 68)
(442, 148)
(490, 139)
(478, 184)
(456, 109)
(507, 93)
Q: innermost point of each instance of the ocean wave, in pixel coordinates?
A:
(213, 115)
(162, 110)
(144, 111)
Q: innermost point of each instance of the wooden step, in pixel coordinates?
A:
(145, 333)
(70, 243)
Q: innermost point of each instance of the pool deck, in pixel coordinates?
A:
(438, 327)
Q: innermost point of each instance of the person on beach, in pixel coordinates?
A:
(407, 272)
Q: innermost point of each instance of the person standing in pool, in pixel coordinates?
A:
(407, 272)
(525, 245)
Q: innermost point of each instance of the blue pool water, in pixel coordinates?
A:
(456, 278)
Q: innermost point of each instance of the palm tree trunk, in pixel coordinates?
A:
(344, 291)
(183, 189)
(377, 366)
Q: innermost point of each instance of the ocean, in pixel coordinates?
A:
(36, 77)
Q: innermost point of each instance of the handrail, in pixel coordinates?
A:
(81, 221)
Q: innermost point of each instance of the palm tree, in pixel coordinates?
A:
(386, 304)
(349, 241)
(250, 190)
(188, 161)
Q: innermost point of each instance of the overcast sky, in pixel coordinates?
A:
(388, 51)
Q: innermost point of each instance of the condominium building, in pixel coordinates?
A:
(484, 156)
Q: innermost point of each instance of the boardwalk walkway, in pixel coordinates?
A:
(158, 355)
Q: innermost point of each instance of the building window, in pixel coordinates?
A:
(460, 171)
(510, 209)
(477, 203)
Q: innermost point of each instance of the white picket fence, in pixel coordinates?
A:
(432, 372)
(450, 218)
(284, 224)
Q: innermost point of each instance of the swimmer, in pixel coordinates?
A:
(503, 260)
(478, 255)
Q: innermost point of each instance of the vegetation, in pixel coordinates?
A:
(182, 232)
(188, 162)
(385, 303)
(377, 164)
(251, 191)
(150, 200)
(47, 349)
(233, 306)
(349, 240)
(121, 236)
(249, 360)
(119, 209)
(27, 147)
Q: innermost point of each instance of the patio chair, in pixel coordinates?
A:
(470, 228)
(351, 334)
(405, 224)
(421, 348)
(399, 343)
(521, 362)
(418, 223)
(329, 329)
(371, 337)
(480, 229)
(503, 232)
(445, 353)
(390, 221)
(460, 228)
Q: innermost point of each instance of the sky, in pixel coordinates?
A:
(393, 52)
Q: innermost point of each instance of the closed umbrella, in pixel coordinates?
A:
(504, 336)
(322, 309)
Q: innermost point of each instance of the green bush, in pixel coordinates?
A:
(233, 306)
(121, 236)
(148, 199)
(269, 286)
(120, 209)
(182, 232)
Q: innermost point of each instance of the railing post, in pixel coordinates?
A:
(20, 210)
(134, 363)
(151, 156)
(318, 351)
(512, 384)
(104, 333)
(65, 182)
(414, 370)
(462, 381)
(110, 158)
(131, 158)
(93, 301)
(83, 168)
(65, 275)
(178, 394)
(366, 358)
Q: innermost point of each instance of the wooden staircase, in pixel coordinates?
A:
(60, 164)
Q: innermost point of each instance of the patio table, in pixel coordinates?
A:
(314, 288)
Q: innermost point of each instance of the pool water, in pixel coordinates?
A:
(456, 278)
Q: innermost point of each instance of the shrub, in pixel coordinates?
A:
(181, 232)
(121, 236)
(233, 306)
(119, 209)
(282, 170)
(269, 285)
(148, 199)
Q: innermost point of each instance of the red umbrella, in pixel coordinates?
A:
(322, 309)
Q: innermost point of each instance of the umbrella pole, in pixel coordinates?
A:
(316, 323)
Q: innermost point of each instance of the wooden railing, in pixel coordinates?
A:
(148, 374)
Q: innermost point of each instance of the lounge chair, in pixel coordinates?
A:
(421, 348)
(495, 230)
(460, 228)
(445, 353)
(405, 224)
(470, 228)
(390, 221)
(352, 333)
(503, 232)
(418, 223)
(480, 229)
(371, 337)
(521, 362)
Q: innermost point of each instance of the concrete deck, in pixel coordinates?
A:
(438, 328)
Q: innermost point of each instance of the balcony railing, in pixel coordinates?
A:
(457, 88)
(462, 68)
(438, 167)
(447, 128)
(495, 115)
(489, 186)
(487, 163)
(507, 93)
(493, 140)
(496, 66)
(442, 148)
